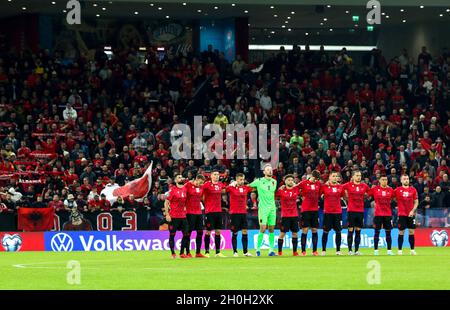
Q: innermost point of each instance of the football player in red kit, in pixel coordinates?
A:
(194, 192)
(382, 194)
(212, 198)
(175, 211)
(355, 192)
(332, 192)
(288, 196)
(310, 193)
(407, 203)
(238, 192)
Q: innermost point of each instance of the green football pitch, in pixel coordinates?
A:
(155, 270)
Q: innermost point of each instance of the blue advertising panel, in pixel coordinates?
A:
(367, 239)
(67, 241)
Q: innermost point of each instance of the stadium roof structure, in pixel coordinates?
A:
(288, 20)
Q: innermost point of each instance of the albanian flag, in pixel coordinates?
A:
(36, 219)
(139, 188)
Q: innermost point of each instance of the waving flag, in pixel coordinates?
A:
(139, 187)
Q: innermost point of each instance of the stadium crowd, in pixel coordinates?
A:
(69, 127)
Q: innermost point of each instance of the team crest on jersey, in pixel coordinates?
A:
(313, 187)
(334, 190)
(383, 193)
(241, 190)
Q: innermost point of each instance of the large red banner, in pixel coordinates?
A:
(22, 241)
(432, 237)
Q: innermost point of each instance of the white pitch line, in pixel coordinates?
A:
(31, 265)
(190, 269)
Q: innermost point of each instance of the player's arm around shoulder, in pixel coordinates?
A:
(395, 193)
(344, 191)
(255, 183)
(278, 192)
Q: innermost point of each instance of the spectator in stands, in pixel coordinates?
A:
(445, 183)
(438, 198)
(132, 204)
(237, 116)
(139, 142)
(70, 202)
(94, 204)
(266, 101)
(39, 203)
(146, 204)
(69, 113)
(238, 65)
(89, 175)
(15, 195)
(105, 205)
(82, 204)
(57, 204)
(120, 205)
(403, 108)
(221, 120)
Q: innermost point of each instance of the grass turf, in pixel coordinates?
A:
(155, 270)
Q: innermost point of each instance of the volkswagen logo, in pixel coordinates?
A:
(61, 242)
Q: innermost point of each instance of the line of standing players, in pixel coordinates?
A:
(184, 213)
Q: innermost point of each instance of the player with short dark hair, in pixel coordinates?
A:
(194, 192)
(382, 194)
(407, 204)
(267, 213)
(332, 192)
(310, 193)
(175, 211)
(238, 192)
(355, 192)
(288, 195)
(212, 198)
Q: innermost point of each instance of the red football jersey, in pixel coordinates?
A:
(212, 194)
(405, 199)
(310, 195)
(332, 198)
(177, 198)
(288, 200)
(356, 193)
(382, 197)
(238, 198)
(194, 197)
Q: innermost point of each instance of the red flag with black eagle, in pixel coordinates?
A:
(35, 219)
